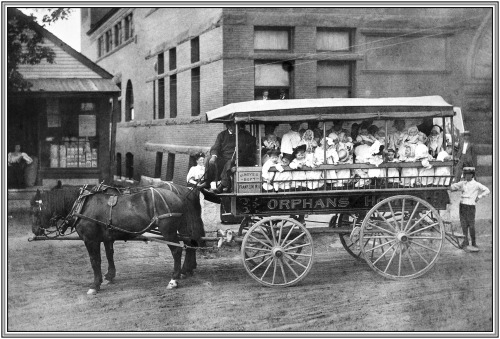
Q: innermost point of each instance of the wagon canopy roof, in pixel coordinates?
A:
(331, 109)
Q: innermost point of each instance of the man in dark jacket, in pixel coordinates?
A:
(223, 158)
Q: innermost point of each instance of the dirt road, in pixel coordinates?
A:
(47, 284)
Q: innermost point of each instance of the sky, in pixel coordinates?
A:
(66, 30)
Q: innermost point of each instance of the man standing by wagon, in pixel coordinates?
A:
(472, 191)
(222, 156)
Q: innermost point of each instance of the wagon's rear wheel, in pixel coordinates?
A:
(402, 237)
(347, 220)
(277, 251)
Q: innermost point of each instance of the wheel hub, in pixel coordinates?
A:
(278, 252)
(402, 237)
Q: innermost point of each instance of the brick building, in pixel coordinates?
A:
(175, 64)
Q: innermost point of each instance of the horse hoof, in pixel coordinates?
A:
(108, 282)
(172, 284)
(92, 291)
(183, 276)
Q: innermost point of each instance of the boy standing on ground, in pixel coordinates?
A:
(472, 191)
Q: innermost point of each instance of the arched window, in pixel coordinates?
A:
(119, 164)
(129, 165)
(129, 102)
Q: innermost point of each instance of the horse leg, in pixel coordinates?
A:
(94, 249)
(110, 275)
(177, 255)
(189, 262)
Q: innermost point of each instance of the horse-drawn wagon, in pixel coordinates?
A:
(394, 225)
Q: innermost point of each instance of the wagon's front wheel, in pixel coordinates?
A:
(401, 237)
(277, 251)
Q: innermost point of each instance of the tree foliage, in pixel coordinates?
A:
(24, 43)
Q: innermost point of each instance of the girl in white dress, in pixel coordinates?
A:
(196, 172)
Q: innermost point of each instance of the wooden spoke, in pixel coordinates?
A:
(257, 256)
(418, 222)
(418, 253)
(386, 221)
(294, 240)
(262, 263)
(410, 260)
(294, 248)
(251, 236)
(290, 268)
(295, 261)
(411, 216)
(267, 269)
(381, 245)
(380, 228)
(423, 229)
(390, 260)
(262, 231)
(283, 270)
(384, 253)
(258, 249)
(403, 212)
(423, 246)
(393, 214)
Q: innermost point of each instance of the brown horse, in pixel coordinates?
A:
(105, 214)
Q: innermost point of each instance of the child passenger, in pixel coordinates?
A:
(426, 173)
(332, 158)
(270, 143)
(442, 173)
(196, 172)
(392, 173)
(267, 176)
(409, 174)
(283, 179)
(299, 177)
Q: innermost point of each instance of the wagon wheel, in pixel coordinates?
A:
(277, 251)
(401, 237)
(247, 222)
(346, 220)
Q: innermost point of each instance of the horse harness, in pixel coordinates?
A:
(112, 201)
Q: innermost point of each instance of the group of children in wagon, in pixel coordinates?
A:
(289, 163)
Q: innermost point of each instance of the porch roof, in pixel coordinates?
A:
(73, 85)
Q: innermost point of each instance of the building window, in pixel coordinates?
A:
(71, 137)
(161, 63)
(195, 50)
(328, 39)
(161, 98)
(334, 79)
(170, 167)
(129, 102)
(118, 34)
(272, 39)
(195, 91)
(173, 96)
(154, 99)
(129, 165)
(158, 164)
(273, 77)
(119, 106)
(108, 41)
(129, 27)
(172, 59)
(100, 46)
(118, 164)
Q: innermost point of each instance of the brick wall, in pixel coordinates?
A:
(228, 33)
